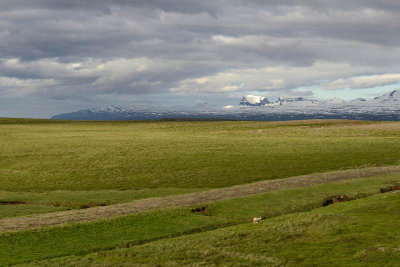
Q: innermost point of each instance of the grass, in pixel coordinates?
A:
(44, 202)
(7, 211)
(126, 231)
(58, 165)
(40, 156)
(363, 232)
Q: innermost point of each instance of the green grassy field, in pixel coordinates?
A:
(132, 230)
(81, 239)
(53, 164)
(49, 166)
(136, 155)
(364, 232)
(44, 202)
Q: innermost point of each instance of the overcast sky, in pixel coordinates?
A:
(60, 56)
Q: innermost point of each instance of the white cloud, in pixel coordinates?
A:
(81, 50)
(14, 87)
(270, 78)
(363, 82)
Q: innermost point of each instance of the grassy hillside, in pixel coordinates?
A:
(50, 201)
(132, 230)
(37, 156)
(49, 166)
(363, 232)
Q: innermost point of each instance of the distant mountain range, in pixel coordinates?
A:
(385, 107)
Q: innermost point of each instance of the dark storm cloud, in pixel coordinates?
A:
(181, 6)
(76, 49)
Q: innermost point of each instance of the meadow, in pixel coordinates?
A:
(38, 157)
(358, 233)
(136, 229)
(49, 166)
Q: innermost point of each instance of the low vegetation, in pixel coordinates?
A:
(43, 202)
(362, 232)
(133, 230)
(53, 170)
(78, 156)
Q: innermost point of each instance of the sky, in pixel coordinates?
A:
(62, 56)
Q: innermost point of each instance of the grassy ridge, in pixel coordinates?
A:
(363, 232)
(58, 165)
(44, 202)
(40, 156)
(125, 231)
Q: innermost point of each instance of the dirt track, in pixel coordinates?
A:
(85, 215)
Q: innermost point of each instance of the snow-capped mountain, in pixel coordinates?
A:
(296, 101)
(393, 96)
(253, 100)
(334, 101)
(358, 100)
(385, 107)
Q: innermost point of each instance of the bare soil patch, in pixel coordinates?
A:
(101, 212)
(202, 210)
(335, 199)
(390, 188)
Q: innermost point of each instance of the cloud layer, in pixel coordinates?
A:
(79, 49)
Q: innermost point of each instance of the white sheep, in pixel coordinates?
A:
(256, 220)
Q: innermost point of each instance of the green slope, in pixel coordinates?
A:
(363, 232)
(40, 156)
(81, 239)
